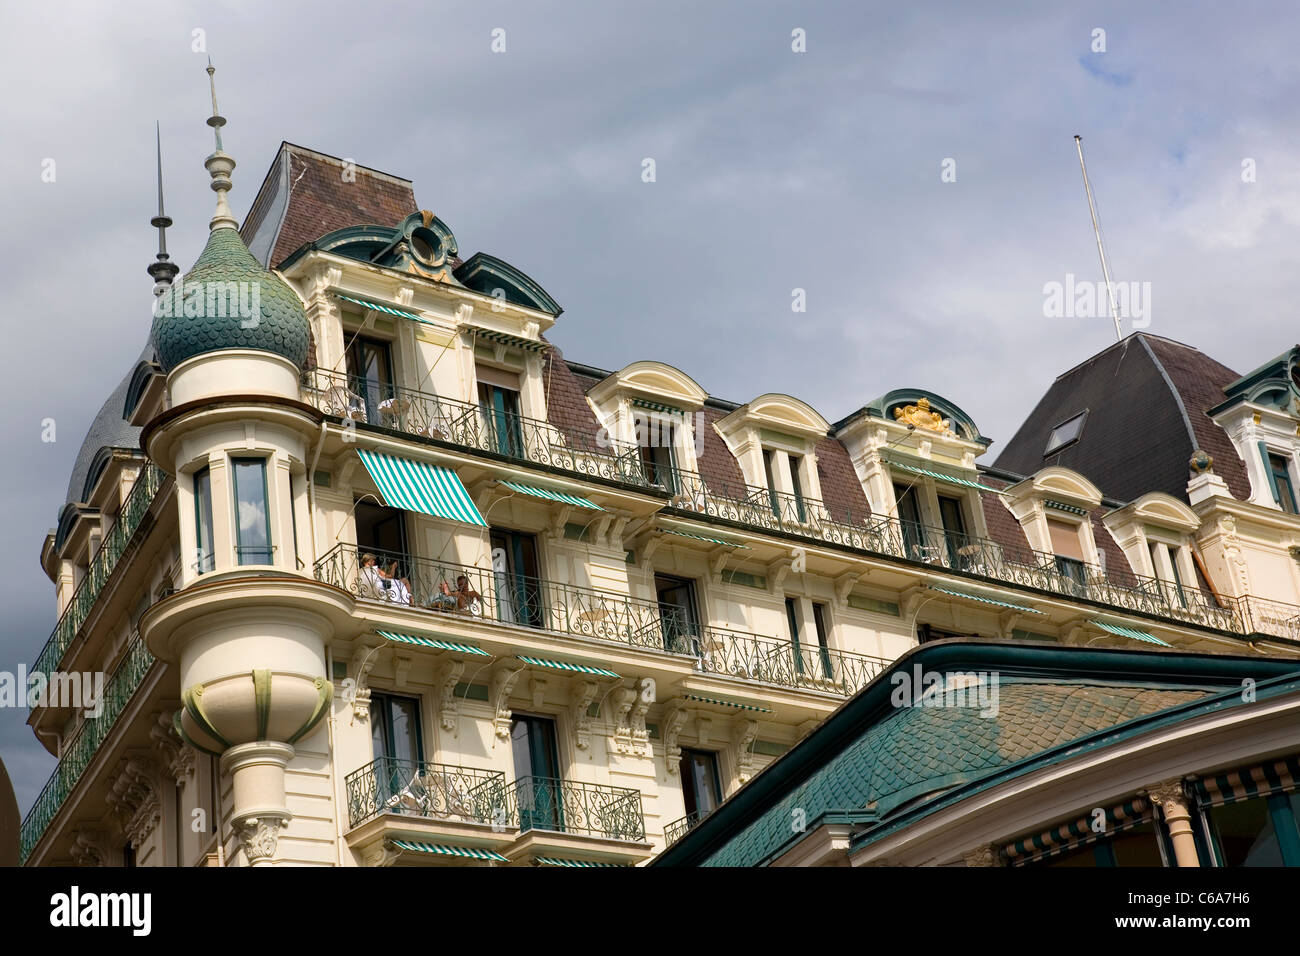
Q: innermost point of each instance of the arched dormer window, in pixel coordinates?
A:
(774, 437)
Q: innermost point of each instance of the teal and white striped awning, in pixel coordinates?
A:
(504, 338)
(701, 537)
(445, 849)
(941, 476)
(984, 600)
(562, 496)
(657, 407)
(557, 861)
(418, 486)
(432, 642)
(561, 666)
(727, 703)
(381, 308)
(1132, 632)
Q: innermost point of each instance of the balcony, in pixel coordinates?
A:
(433, 790)
(679, 828)
(588, 809)
(114, 545)
(515, 437)
(457, 590)
(81, 747)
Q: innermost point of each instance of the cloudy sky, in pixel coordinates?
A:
(775, 170)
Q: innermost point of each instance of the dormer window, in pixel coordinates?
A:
(498, 402)
(1067, 549)
(784, 488)
(656, 440)
(1279, 475)
(1066, 433)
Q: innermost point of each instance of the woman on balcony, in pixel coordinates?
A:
(393, 588)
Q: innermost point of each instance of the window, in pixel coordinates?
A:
(1258, 832)
(252, 521)
(657, 443)
(954, 529)
(1164, 561)
(498, 402)
(909, 517)
(1068, 550)
(399, 752)
(370, 375)
(782, 506)
(537, 773)
(203, 521)
(1283, 491)
(792, 619)
(1139, 846)
(823, 641)
(701, 786)
(677, 615)
(515, 573)
(1066, 433)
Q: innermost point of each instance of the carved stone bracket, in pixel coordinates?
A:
(584, 692)
(503, 683)
(90, 847)
(985, 855)
(743, 735)
(623, 699)
(777, 572)
(177, 757)
(844, 585)
(448, 710)
(381, 854)
(133, 797)
(673, 722)
(363, 662)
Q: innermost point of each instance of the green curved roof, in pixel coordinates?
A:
(228, 301)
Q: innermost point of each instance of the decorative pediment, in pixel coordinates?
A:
(778, 412)
(1054, 486)
(926, 412)
(655, 381)
(1157, 508)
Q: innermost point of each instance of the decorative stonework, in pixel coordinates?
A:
(986, 855)
(632, 704)
(381, 854)
(90, 847)
(743, 736)
(448, 711)
(673, 722)
(133, 798)
(503, 683)
(584, 692)
(921, 416)
(260, 836)
(363, 662)
(176, 756)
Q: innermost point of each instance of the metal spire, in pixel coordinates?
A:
(162, 270)
(219, 165)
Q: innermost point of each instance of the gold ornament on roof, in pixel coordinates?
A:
(921, 416)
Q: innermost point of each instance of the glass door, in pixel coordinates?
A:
(909, 519)
(399, 753)
(954, 529)
(514, 572)
(701, 784)
(370, 377)
(499, 407)
(537, 773)
(677, 617)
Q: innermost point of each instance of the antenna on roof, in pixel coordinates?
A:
(163, 269)
(1101, 249)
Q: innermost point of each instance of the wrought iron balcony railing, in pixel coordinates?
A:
(514, 436)
(102, 565)
(84, 743)
(445, 588)
(1272, 618)
(432, 790)
(679, 828)
(565, 806)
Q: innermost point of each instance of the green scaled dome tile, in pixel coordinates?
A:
(280, 325)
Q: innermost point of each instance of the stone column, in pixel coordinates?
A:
(1172, 801)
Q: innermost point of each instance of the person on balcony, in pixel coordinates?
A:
(395, 589)
(369, 580)
(467, 599)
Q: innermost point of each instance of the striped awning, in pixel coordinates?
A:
(940, 476)
(557, 861)
(1062, 506)
(381, 308)
(431, 642)
(984, 600)
(445, 849)
(504, 338)
(561, 666)
(1132, 632)
(727, 703)
(562, 496)
(701, 537)
(418, 486)
(1080, 832)
(657, 407)
(1233, 786)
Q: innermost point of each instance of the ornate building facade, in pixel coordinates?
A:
(379, 577)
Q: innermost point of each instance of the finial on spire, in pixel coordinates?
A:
(162, 269)
(220, 164)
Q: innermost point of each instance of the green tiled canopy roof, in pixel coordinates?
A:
(280, 326)
(925, 750)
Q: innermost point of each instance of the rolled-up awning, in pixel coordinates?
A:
(377, 307)
(446, 849)
(433, 642)
(1132, 632)
(419, 486)
(559, 861)
(561, 666)
(561, 496)
(701, 537)
(985, 600)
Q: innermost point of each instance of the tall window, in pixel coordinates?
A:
(701, 785)
(1283, 490)
(792, 619)
(498, 402)
(954, 529)
(370, 376)
(909, 517)
(1258, 832)
(206, 557)
(823, 640)
(771, 463)
(252, 519)
(1068, 550)
(514, 570)
(537, 773)
(657, 441)
(398, 750)
(677, 616)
